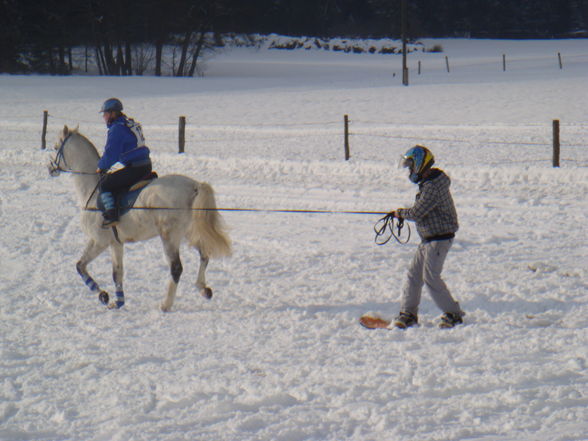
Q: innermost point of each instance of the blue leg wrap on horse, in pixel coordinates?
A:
(90, 283)
(120, 299)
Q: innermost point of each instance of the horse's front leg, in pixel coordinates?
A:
(117, 254)
(205, 291)
(93, 250)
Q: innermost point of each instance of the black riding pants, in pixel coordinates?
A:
(122, 180)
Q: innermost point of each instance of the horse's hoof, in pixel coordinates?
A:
(103, 297)
(116, 305)
(206, 293)
(164, 308)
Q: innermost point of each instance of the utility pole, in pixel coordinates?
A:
(403, 14)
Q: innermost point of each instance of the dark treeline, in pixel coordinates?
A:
(38, 35)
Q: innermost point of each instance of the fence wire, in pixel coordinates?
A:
(368, 139)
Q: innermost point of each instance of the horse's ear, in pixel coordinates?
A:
(65, 130)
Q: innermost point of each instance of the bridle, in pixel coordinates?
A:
(55, 164)
(55, 167)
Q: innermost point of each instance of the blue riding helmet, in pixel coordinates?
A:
(418, 159)
(112, 105)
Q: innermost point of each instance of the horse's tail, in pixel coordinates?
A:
(207, 230)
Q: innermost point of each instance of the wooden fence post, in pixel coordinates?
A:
(556, 142)
(182, 134)
(447, 62)
(503, 63)
(419, 67)
(404, 28)
(346, 123)
(44, 133)
(559, 58)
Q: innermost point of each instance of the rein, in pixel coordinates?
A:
(93, 192)
(387, 224)
(55, 164)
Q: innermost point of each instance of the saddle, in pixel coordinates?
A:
(126, 199)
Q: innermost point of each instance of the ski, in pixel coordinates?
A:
(370, 321)
(374, 321)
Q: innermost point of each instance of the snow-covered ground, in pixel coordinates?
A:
(278, 354)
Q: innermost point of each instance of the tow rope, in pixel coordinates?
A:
(384, 230)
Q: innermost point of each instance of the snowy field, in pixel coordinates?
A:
(278, 354)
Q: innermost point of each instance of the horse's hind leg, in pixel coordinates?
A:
(172, 252)
(205, 291)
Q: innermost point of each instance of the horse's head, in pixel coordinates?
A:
(58, 163)
(74, 153)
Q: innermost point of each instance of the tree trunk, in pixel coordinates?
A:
(110, 63)
(128, 59)
(197, 51)
(184, 55)
(100, 60)
(120, 61)
(158, 55)
(51, 61)
(61, 70)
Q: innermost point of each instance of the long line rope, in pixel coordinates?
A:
(384, 225)
(254, 210)
(384, 228)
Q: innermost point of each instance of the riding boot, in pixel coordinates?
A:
(110, 213)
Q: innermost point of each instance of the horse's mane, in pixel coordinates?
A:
(75, 132)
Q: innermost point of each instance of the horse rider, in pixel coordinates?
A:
(125, 160)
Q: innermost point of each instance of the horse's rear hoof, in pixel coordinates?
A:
(206, 293)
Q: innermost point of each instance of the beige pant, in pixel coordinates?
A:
(425, 269)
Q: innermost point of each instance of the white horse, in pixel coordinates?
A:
(172, 207)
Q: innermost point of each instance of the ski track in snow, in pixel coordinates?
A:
(278, 354)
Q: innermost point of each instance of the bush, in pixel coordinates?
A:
(436, 48)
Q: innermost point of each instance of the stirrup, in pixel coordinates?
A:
(109, 223)
(110, 219)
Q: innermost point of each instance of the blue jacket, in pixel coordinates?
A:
(122, 144)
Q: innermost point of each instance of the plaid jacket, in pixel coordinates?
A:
(433, 211)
